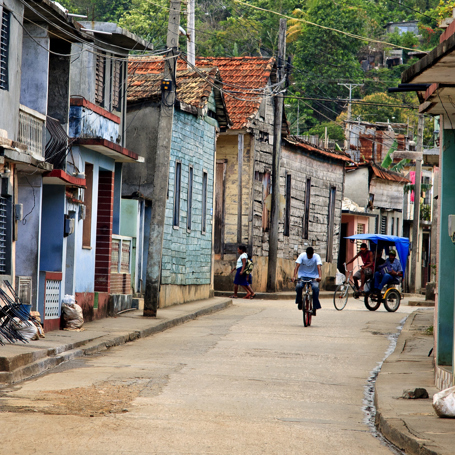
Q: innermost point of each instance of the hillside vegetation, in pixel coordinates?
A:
(321, 58)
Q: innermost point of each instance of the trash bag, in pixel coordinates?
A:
(72, 313)
(339, 278)
(27, 330)
(444, 403)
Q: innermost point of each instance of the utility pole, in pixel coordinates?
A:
(160, 177)
(416, 222)
(348, 125)
(350, 87)
(278, 121)
(191, 34)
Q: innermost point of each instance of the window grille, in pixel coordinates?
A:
(4, 45)
(392, 225)
(3, 235)
(384, 225)
(52, 301)
(360, 230)
(99, 79)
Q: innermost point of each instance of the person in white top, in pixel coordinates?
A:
(308, 267)
(240, 278)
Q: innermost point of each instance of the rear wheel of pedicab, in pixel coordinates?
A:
(340, 298)
(392, 300)
(372, 301)
(307, 311)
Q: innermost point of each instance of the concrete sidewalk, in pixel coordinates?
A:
(412, 425)
(22, 361)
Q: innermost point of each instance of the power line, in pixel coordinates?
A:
(351, 35)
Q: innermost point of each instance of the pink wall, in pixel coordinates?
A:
(351, 248)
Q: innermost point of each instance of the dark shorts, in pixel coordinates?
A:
(241, 280)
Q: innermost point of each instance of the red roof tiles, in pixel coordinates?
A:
(193, 88)
(341, 156)
(238, 76)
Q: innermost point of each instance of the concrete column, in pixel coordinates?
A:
(446, 264)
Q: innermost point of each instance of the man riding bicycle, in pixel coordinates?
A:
(366, 270)
(308, 268)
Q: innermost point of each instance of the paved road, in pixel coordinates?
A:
(248, 380)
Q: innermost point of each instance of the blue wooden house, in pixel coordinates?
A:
(200, 113)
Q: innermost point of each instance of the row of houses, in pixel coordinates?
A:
(78, 162)
(62, 127)
(77, 151)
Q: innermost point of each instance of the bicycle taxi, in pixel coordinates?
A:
(392, 296)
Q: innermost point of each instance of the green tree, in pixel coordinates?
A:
(334, 131)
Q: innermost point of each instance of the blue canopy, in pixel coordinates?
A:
(385, 241)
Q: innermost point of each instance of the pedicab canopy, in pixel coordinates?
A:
(401, 245)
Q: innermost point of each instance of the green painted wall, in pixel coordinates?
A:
(446, 266)
(128, 227)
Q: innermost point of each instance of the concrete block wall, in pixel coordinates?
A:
(187, 254)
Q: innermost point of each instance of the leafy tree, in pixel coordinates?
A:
(334, 131)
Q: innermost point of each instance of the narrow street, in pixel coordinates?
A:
(248, 380)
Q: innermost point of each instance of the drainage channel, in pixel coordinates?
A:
(369, 409)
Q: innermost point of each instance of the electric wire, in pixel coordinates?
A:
(351, 35)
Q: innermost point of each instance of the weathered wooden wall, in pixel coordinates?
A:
(227, 149)
(387, 194)
(257, 163)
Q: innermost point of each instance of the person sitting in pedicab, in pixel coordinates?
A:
(389, 272)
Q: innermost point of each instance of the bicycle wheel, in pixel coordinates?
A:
(340, 297)
(307, 311)
(392, 300)
(372, 301)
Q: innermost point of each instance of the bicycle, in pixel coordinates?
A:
(307, 301)
(341, 294)
(391, 299)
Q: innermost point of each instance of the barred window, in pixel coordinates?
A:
(4, 45)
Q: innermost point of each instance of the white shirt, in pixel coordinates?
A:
(308, 267)
(239, 260)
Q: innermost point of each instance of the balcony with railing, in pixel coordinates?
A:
(95, 128)
(31, 131)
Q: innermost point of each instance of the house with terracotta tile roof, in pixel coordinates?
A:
(311, 180)
(243, 172)
(199, 116)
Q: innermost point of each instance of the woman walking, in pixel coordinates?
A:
(241, 279)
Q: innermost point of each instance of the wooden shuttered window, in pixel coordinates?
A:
(306, 214)
(287, 218)
(100, 79)
(117, 67)
(4, 48)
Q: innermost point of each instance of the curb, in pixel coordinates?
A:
(48, 359)
(392, 425)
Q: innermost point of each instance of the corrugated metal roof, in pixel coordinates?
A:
(341, 156)
(385, 174)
